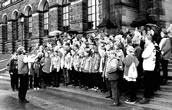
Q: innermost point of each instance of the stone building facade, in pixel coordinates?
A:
(27, 22)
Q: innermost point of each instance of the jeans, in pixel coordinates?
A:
(115, 90)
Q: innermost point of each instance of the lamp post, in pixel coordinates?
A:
(22, 28)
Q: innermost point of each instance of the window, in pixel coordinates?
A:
(94, 13)
(30, 22)
(14, 0)
(46, 16)
(15, 26)
(66, 16)
(7, 2)
(4, 29)
(46, 21)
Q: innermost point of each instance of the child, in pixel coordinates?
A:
(128, 60)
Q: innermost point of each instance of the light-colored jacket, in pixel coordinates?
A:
(55, 63)
(68, 62)
(127, 63)
(149, 57)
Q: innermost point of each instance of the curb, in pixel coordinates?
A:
(3, 60)
(3, 69)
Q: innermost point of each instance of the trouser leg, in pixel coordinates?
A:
(132, 91)
(23, 87)
(164, 64)
(108, 85)
(148, 85)
(115, 90)
(16, 81)
(12, 81)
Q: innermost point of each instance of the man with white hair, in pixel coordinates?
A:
(149, 60)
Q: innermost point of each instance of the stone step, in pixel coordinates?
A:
(153, 106)
(166, 88)
(162, 99)
(158, 94)
(169, 82)
(170, 65)
(156, 103)
(169, 69)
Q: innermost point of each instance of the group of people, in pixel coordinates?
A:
(97, 61)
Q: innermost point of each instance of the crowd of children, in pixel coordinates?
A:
(100, 61)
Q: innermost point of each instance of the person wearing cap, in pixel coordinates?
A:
(112, 76)
(149, 60)
(23, 74)
(128, 60)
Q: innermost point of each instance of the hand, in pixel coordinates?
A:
(162, 52)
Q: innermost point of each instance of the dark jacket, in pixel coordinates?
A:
(13, 65)
(113, 75)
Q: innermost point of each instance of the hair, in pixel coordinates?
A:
(20, 52)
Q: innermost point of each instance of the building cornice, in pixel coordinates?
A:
(11, 4)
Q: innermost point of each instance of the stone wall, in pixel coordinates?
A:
(37, 31)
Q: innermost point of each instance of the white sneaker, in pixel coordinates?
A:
(34, 89)
(129, 102)
(37, 88)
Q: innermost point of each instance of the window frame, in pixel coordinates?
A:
(66, 17)
(94, 12)
(46, 18)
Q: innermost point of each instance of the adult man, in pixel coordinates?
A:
(23, 74)
(149, 60)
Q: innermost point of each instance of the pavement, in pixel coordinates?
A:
(62, 98)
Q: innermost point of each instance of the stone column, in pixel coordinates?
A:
(78, 16)
(35, 29)
(20, 33)
(9, 28)
(106, 9)
(142, 7)
(53, 19)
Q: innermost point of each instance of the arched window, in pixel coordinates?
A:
(5, 28)
(45, 10)
(15, 25)
(30, 22)
(4, 33)
(27, 27)
(94, 13)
